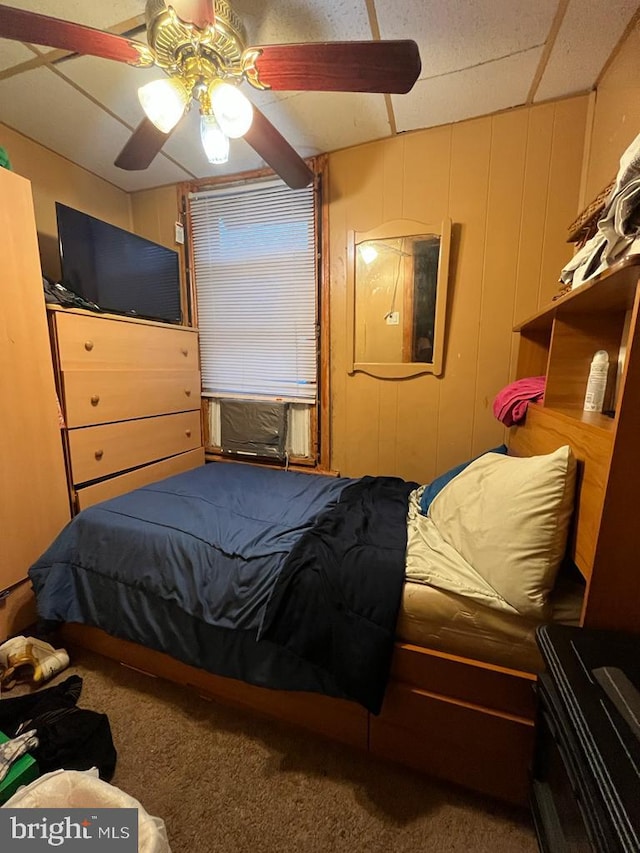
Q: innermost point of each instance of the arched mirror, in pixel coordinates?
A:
(397, 296)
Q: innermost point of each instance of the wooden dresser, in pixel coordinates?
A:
(130, 393)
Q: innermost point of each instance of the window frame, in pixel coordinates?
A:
(320, 454)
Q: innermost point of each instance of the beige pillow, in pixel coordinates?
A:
(508, 517)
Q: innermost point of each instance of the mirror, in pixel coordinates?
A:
(397, 298)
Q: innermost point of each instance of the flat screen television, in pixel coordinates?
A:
(119, 271)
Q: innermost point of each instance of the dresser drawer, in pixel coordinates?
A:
(99, 451)
(494, 687)
(118, 485)
(104, 396)
(458, 741)
(90, 343)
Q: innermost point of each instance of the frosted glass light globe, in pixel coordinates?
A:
(233, 111)
(164, 101)
(214, 142)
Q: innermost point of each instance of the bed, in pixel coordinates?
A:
(266, 576)
(254, 582)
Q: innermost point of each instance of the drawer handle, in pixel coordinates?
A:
(187, 432)
(99, 454)
(88, 345)
(184, 351)
(95, 400)
(187, 391)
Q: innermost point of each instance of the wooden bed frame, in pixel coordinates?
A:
(460, 719)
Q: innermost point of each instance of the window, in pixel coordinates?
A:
(255, 264)
(256, 283)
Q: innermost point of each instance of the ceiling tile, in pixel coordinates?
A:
(92, 14)
(287, 21)
(13, 53)
(583, 45)
(113, 84)
(75, 128)
(453, 97)
(458, 34)
(314, 122)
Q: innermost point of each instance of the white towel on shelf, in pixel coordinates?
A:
(618, 227)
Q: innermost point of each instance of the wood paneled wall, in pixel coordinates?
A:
(616, 120)
(154, 214)
(54, 178)
(17, 611)
(510, 184)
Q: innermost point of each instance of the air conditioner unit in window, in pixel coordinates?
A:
(253, 428)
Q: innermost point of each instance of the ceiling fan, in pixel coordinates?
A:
(200, 45)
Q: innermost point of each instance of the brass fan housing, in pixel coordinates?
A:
(181, 47)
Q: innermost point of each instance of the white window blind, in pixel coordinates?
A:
(255, 276)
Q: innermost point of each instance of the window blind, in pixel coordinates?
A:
(256, 282)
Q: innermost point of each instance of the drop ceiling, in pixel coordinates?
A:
(478, 57)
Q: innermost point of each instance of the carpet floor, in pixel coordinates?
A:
(225, 781)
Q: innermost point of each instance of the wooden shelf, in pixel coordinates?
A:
(590, 297)
(561, 339)
(559, 342)
(593, 420)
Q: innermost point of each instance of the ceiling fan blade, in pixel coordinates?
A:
(53, 32)
(198, 12)
(276, 151)
(143, 145)
(339, 66)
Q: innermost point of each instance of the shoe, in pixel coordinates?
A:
(29, 659)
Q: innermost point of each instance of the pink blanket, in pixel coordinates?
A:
(510, 404)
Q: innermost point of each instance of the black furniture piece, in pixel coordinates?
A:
(585, 787)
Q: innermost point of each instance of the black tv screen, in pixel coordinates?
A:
(119, 271)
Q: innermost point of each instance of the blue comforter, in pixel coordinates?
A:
(188, 566)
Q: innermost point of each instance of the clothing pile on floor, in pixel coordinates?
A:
(55, 755)
(47, 724)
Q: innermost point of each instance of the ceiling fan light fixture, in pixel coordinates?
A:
(164, 101)
(233, 111)
(214, 141)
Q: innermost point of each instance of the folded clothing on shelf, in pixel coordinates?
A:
(618, 232)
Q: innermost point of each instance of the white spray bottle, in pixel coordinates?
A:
(597, 382)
